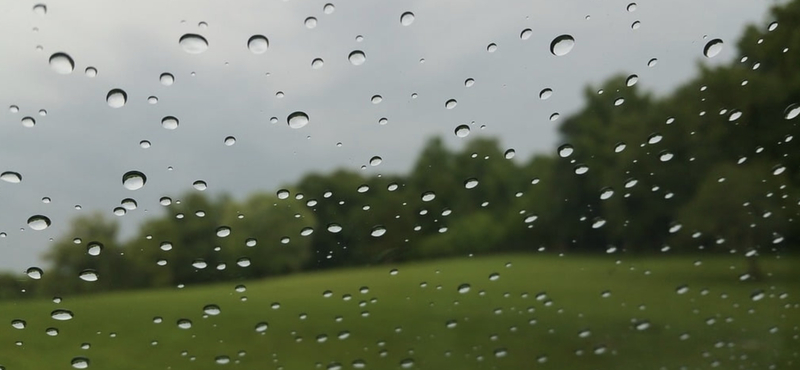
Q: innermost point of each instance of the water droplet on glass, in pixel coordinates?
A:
(526, 34)
(581, 169)
(90, 71)
(665, 156)
(38, 222)
(222, 360)
(94, 248)
(297, 119)
(223, 231)
(328, 8)
(374, 161)
(34, 273)
(632, 80)
(40, 9)
(777, 170)
(491, 47)
(565, 150)
(166, 79)
(469, 82)
(317, 63)
(652, 62)
(133, 180)
(407, 18)
(376, 99)
(428, 196)
(407, 363)
(683, 289)
(471, 183)
(80, 362)
(598, 223)
(712, 48)
(654, 138)
(28, 122)
(62, 63)
(334, 228)
(635, 25)
(494, 276)
(262, 327)
(310, 22)
(169, 122)
(462, 131)
(562, 45)
(545, 93)
(88, 275)
(606, 193)
(211, 310)
(258, 44)
(644, 325)
(116, 98)
(306, 231)
(464, 288)
(792, 111)
(61, 315)
(450, 104)
(357, 57)
(631, 7)
(11, 177)
(619, 147)
(152, 99)
(230, 140)
(193, 43)
(378, 231)
(184, 323)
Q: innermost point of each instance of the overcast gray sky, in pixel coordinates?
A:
(78, 153)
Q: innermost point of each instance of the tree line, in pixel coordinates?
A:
(713, 166)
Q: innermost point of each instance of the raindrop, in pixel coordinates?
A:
(378, 231)
(562, 45)
(334, 228)
(357, 57)
(310, 22)
(683, 289)
(184, 323)
(462, 131)
(230, 140)
(734, 115)
(166, 79)
(90, 71)
(772, 26)
(407, 363)
(317, 63)
(631, 7)
(665, 156)
(494, 276)
(471, 183)
(545, 93)
(374, 161)
(598, 223)
(526, 34)
(777, 170)
(262, 327)
(306, 231)
(222, 360)
(40, 9)
(469, 82)
(632, 80)
(565, 150)
(258, 44)
(133, 180)
(328, 8)
(407, 18)
(428, 196)
(61, 315)
(28, 122)
(450, 104)
(223, 231)
(606, 193)
(116, 98)
(464, 288)
(500, 352)
(297, 119)
(712, 48)
(34, 273)
(193, 43)
(80, 362)
(644, 325)
(38, 222)
(51, 332)
(510, 153)
(12, 177)
(376, 99)
(635, 25)
(211, 310)
(792, 111)
(88, 275)
(169, 122)
(62, 63)
(152, 99)
(654, 138)
(619, 147)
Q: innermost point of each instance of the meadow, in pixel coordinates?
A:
(517, 311)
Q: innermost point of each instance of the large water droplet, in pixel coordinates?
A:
(665, 156)
(378, 231)
(464, 288)
(310, 22)
(18, 324)
(562, 45)
(450, 104)
(545, 93)
(471, 183)
(462, 131)
(297, 119)
(200, 185)
(632, 80)
(317, 63)
(94, 248)
(116, 98)
(357, 57)
(62, 63)
(38, 222)
(565, 150)
(792, 111)
(34, 273)
(258, 44)
(334, 228)
(328, 8)
(40, 9)
(88, 275)
(223, 231)
(606, 193)
(166, 79)
(712, 48)
(526, 34)
(407, 18)
(193, 43)
(222, 360)
(12, 177)
(80, 362)
(184, 324)
(170, 122)
(212, 310)
(428, 196)
(90, 72)
(133, 180)
(61, 315)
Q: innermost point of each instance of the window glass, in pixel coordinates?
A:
(293, 184)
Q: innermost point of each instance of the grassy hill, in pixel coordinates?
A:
(540, 312)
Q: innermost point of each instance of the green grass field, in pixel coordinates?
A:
(543, 312)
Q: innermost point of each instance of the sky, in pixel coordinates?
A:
(77, 154)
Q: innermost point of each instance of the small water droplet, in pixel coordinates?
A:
(635, 25)
(545, 93)
(334, 228)
(606, 193)
(297, 119)
(94, 248)
(376, 160)
(258, 44)
(469, 82)
(357, 57)
(317, 63)
(223, 231)
(462, 131)
(166, 79)
(471, 183)
(407, 18)
(428, 196)
(632, 80)
(184, 323)
(378, 231)
(40, 9)
(619, 147)
(133, 180)
(581, 169)
(464, 288)
(665, 156)
(491, 47)
(61, 315)
(193, 43)
(230, 140)
(211, 310)
(654, 138)
(88, 275)
(777, 170)
(62, 63)
(170, 122)
(90, 71)
(450, 104)
(526, 34)
(262, 327)
(494, 276)
(328, 8)
(565, 150)
(38, 222)
(631, 7)
(792, 111)
(310, 22)
(80, 362)
(652, 62)
(712, 48)
(116, 98)
(562, 45)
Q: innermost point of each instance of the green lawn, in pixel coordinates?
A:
(500, 324)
